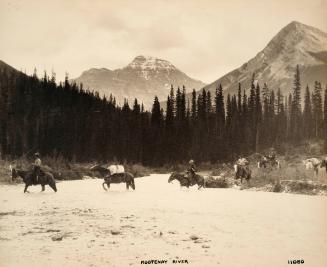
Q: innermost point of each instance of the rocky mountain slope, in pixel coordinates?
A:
(143, 78)
(296, 43)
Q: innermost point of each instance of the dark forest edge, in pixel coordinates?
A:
(67, 121)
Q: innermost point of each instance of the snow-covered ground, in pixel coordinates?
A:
(83, 225)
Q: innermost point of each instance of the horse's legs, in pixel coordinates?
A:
(25, 189)
(107, 183)
(127, 186)
(43, 187)
(133, 184)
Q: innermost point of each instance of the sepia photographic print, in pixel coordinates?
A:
(163, 133)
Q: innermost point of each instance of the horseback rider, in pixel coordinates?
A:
(37, 167)
(191, 170)
(272, 154)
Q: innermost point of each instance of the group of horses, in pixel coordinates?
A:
(116, 174)
(314, 164)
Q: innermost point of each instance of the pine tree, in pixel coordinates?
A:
(220, 111)
(265, 95)
(295, 121)
(239, 98)
(258, 106)
(179, 108)
(307, 114)
(172, 99)
(169, 113)
(193, 108)
(317, 108)
(281, 120)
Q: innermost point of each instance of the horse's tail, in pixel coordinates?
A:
(53, 186)
(129, 179)
(51, 181)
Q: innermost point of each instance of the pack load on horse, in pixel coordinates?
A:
(113, 169)
(242, 170)
(312, 164)
(114, 174)
(104, 170)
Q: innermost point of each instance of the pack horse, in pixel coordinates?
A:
(115, 174)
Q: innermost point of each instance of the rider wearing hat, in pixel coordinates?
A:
(272, 154)
(191, 170)
(37, 167)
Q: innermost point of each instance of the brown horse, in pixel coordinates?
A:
(242, 172)
(266, 162)
(45, 179)
(124, 177)
(186, 181)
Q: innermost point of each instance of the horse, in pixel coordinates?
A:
(242, 172)
(124, 177)
(102, 170)
(312, 164)
(263, 163)
(45, 179)
(112, 169)
(185, 181)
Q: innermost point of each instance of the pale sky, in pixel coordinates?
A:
(203, 38)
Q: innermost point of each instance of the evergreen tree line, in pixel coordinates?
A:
(39, 115)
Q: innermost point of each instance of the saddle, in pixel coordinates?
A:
(191, 178)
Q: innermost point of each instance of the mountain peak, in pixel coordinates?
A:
(295, 44)
(148, 62)
(144, 77)
(296, 28)
(294, 41)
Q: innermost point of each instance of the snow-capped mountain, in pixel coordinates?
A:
(143, 78)
(296, 43)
